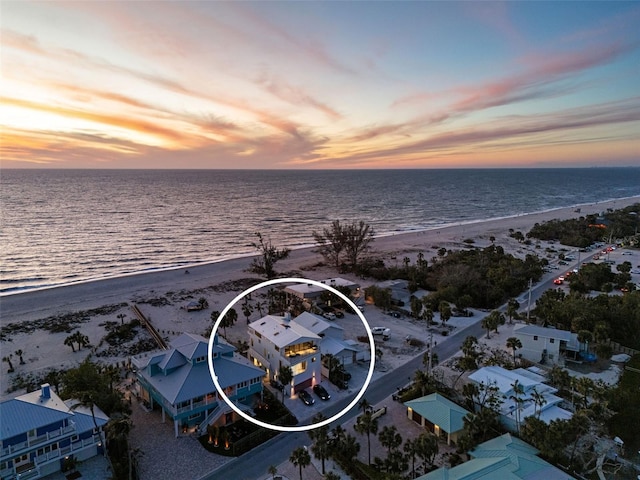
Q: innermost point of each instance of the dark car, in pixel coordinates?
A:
(277, 385)
(306, 397)
(320, 391)
(340, 383)
(339, 313)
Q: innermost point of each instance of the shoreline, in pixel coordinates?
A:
(34, 303)
(394, 234)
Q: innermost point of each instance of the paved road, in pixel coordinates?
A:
(255, 463)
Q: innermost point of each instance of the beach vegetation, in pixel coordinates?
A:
(589, 229)
(229, 320)
(268, 256)
(7, 359)
(344, 245)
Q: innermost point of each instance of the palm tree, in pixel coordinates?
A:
(8, 360)
(445, 312)
(272, 471)
(349, 447)
(259, 306)
(538, 400)
(514, 343)
(427, 314)
(19, 353)
(320, 438)
(366, 424)
(70, 341)
(390, 438)
(364, 404)
(81, 339)
(411, 449)
(229, 320)
(202, 301)
(247, 310)
(300, 458)
(512, 309)
(121, 316)
(518, 390)
(285, 375)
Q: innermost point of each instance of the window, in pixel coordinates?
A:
(535, 337)
(298, 368)
(552, 340)
(313, 359)
(201, 359)
(74, 438)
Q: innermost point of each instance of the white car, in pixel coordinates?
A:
(384, 331)
(329, 315)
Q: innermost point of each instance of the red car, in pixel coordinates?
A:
(557, 281)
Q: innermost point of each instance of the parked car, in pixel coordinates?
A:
(339, 313)
(381, 331)
(340, 383)
(306, 397)
(321, 392)
(329, 315)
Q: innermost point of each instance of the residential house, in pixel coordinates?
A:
(311, 293)
(516, 407)
(178, 380)
(439, 415)
(331, 338)
(39, 432)
(503, 457)
(400, 294)
(277, 341)
(546, 345)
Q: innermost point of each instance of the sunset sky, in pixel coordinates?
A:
(319, 84)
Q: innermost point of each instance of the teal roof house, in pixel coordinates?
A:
(504, 458)
(38, 431)
(439, 415)
(178, 382)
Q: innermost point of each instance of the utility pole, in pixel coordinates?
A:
(529, 302)
(429, 352)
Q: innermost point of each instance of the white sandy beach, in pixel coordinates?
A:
(44, 350)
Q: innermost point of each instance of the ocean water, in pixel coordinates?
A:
(64, 226)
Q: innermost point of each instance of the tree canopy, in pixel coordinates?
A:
(343, 245)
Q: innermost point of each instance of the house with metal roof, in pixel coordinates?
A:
(505, 458)
(537, 398)
(178, 381)
(277, 341)
(38, 431)
(546, 345)
(439, 415)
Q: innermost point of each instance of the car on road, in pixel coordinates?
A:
(558, 281)
(381, 331)
(321, 392)
(306, 397)
(329, 315)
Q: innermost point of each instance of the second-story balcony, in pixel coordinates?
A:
(35, 441)
(301, 350)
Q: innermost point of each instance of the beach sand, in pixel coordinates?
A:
(44, 350)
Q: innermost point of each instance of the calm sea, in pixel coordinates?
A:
(63, 226)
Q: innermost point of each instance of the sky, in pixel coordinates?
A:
(319, 85)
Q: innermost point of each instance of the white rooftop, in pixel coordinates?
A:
(314, 323)
(281, 331)
(532, 330)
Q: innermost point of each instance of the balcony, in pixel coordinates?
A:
(301, 350)
(35, 441)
